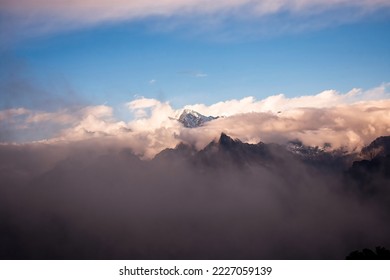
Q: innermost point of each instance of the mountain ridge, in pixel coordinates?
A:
(226, 149)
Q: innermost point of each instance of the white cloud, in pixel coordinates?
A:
(348, 120)
(62, 117)
(280, 103)
(200, 75)
(196, 74)
(351, 125)
(142, 103)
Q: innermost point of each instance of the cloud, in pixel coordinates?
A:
(103, 10)
(200, 75)
(152, 82)
(94, 121)
(345, 120)
(93, 199)
(11, 113)
(343, 126)
(196, 74)
(49, 15)
(68, 124)
(57, 117)
(142, 103)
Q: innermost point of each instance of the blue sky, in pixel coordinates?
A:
(112, 63)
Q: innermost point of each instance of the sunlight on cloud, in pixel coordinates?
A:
(52, 15)
(11, 113)
(277, 103)
(347, 121)
(105, 10)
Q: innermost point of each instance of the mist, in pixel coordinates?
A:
(95, 199)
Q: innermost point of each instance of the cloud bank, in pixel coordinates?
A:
(93, 199)
(344, 120)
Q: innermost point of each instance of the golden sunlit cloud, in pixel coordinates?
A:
(347, 121)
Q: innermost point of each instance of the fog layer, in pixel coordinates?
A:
(95, 199)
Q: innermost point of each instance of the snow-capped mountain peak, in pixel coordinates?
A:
(191, 119)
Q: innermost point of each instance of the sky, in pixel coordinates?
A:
(64, 57)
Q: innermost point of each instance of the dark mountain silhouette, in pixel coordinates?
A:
(364, 169)
(380, 253)
(232, 151)
(217, 154)
(372, 174)
(380, 147)
(373, 158)
(181, 152)
(227, 150)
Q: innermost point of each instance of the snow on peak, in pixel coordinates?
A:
(191, 119)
